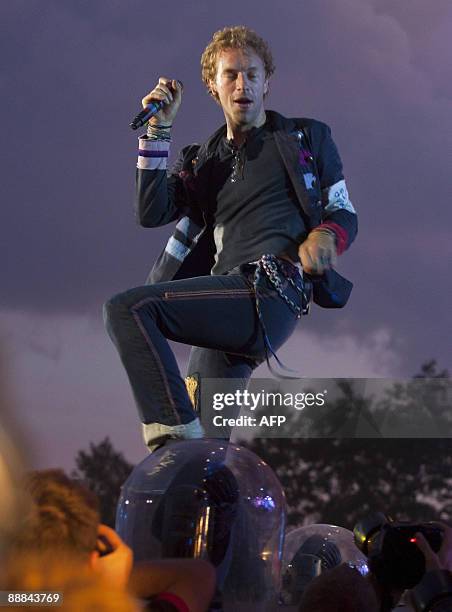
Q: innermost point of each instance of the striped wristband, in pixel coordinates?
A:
(152, 154)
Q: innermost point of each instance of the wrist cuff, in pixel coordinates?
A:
(340, 233)
(152, 154)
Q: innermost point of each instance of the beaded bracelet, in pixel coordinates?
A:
(158, 133)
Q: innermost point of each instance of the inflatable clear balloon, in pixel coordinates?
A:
(310, 550)
(208, 499)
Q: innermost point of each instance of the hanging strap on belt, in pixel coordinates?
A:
(270, 266)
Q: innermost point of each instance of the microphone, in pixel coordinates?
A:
(151, 109)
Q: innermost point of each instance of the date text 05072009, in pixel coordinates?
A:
(31, 598)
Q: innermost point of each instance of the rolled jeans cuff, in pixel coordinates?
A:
(154, 433)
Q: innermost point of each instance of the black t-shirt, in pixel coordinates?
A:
(256, 209)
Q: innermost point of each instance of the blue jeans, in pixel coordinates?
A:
(214, 312)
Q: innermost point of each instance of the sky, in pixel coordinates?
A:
(73, 74)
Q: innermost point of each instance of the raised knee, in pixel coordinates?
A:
(113, 308)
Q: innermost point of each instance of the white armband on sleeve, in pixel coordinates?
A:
(336, 198)
(152, 154)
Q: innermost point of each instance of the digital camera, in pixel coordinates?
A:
(390, 547)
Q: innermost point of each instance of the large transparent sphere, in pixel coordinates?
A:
(208, 499)
(311, 549)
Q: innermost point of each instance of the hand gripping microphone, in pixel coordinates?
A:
(151, 109)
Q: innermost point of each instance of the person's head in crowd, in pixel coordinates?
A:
(341, 589)
(64, 515)
(63, 524)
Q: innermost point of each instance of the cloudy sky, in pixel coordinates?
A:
(72, 77)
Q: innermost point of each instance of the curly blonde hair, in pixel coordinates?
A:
(64, 514)
(236, 37)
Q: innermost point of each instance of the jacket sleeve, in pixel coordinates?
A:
(161, 196)
(338, 213)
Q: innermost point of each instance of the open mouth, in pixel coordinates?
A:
(243, 102)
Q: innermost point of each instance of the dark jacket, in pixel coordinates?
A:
(312, 163)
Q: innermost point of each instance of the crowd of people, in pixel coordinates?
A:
(52, 541)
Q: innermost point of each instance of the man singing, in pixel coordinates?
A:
(262, 211)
